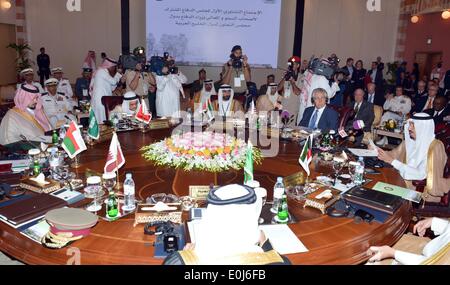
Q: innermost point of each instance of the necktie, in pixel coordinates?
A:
(430, 103)
(312, 122)
(357, 109)
(371, 98)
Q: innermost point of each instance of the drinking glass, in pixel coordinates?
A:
(109, 181)
(338, 164)
(352, 170)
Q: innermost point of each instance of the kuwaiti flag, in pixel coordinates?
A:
(94, 130)
(143, 114)
(208, 108)
(115, 159)
(248, 168)
(73, 142)
(306, 155)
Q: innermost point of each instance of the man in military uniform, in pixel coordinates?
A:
(27, 76)
(57, 106)
(139, 82)
(82, 85)
(63, 84)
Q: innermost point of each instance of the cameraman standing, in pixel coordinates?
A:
(291, 86)
(237, 70)
(139, 82)
(169, 85)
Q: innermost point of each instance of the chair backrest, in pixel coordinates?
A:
(110, 102)
(345, 113)
(378, 110)
(240, 98)
(7, 93)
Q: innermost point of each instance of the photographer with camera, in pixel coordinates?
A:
(169, 84)
(237, 70)
(291, 86)
(139, 81)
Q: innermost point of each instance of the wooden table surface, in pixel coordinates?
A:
(329, 240)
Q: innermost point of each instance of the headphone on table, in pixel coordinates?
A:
(7, 191)
(161, 228)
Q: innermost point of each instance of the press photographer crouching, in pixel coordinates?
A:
(137, 75)
(237, 72)
(169, 84)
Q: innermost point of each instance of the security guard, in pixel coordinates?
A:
(63, 84)
(57, 106)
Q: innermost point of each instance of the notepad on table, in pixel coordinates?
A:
(283, 240)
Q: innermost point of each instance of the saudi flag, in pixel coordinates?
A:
(248, 168)
(306, 155)
(93, 131)
(73, 142)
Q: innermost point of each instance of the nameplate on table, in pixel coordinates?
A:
(199, 192)
(159, 124)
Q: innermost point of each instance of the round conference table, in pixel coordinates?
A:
(329, 240)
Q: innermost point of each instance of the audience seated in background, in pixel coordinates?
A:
(426, 102)
(63, 83)
(263, 88)
(82, 85)
(320, 116)
(202, 96)
(396, 108)
(440, 109)
(420, 157)
(363, 111)
(358, 76)
(229, 233)
(435, 251)
(57, 106)
(270, 101)
(197, 85)
(373, 96)
(27, 77)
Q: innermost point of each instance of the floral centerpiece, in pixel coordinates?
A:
(205, 151)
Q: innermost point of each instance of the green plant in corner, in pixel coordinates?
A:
(22, 61)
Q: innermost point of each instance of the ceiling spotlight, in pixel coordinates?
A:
(415, 19)
(6, 4)
(446, 15)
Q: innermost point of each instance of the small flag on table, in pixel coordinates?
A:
(94, 130)
(248, 168)
(306, 154)
(208, 108)
(73, 142)
(115, 159)
(143, 114)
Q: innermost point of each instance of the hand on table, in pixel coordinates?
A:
(379, 253)
(384, 156)
(421, 227)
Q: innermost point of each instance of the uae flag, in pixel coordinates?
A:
(143, 115)
(94, 130)
(115, 158)
(248, 168)
(306, 155)
(73, 142)
(208, 108)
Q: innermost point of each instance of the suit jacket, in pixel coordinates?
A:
(366, 114)
(378, 100)
(420, 104)
(438, 119)
(328, 121)
(378, 77)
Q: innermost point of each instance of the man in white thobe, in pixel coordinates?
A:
(26, 119)
(57, 106)
(441, 229)
(104, 82)
(169, 87)
(129, 107)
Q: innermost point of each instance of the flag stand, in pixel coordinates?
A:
(76, 164)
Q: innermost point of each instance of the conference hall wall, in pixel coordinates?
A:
(341, 26)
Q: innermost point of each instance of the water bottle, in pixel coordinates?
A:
(283, 212)
(62, 133)
(53, 161)
(129, 191)
(359, 172)
(278, 192)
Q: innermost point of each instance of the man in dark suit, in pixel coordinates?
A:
(421, 92)
(363, 111)
(426, 102)
(373, 96)
(320, 116)
(43, 61)
(440, 110)
(375, 74)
